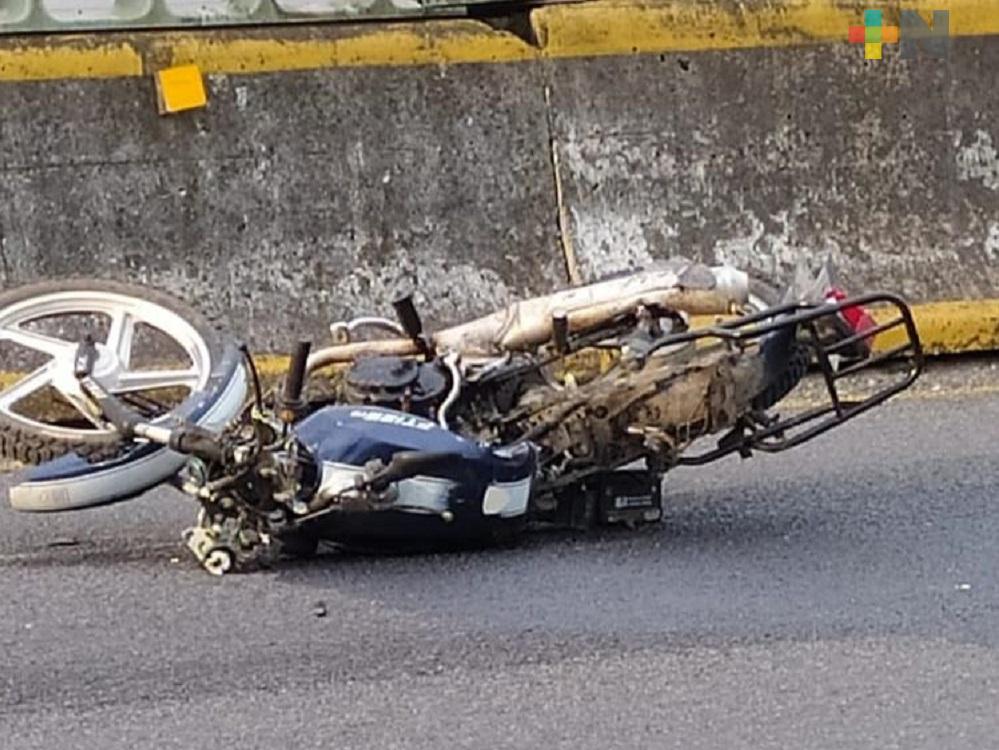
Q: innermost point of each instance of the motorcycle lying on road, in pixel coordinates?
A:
(465, 435)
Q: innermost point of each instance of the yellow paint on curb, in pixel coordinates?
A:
(271, 365)
(583, 29)
(950, 327)
(956, 327)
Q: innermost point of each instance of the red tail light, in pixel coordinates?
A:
(855, 316)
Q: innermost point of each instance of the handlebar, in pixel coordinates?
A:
(290, 404)
(295, 381)
(188, 439)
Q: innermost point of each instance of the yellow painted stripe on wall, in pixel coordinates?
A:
(438, 42)
(584, 29)
(617, 27)
(68, 58)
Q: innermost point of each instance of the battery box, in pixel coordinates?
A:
(628, 497)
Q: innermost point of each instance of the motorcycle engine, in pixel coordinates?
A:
(397, 383)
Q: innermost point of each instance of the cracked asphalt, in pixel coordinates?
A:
(843, 595)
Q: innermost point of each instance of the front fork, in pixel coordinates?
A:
(246, 506)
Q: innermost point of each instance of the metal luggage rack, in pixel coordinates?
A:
(772, 434)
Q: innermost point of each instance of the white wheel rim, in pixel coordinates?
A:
(112, 368)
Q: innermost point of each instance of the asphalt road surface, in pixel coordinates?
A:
(843, 595)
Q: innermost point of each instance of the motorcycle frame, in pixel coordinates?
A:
(749, 435)
(772, 436)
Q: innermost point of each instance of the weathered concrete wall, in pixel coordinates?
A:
(302, 196)
(294, 199)
(757, 157)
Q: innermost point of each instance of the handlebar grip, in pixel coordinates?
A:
(405, 310)
(193, 441)
(560, 331)
(295, 381)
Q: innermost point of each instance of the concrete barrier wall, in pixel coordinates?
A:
(757, 157)
(332, 163)
(294, 199)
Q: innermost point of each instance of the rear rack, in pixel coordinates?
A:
(773, 434)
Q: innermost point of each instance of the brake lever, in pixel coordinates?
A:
(404, 465)
(86, 357)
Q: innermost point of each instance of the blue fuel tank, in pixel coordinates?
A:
(484, 493)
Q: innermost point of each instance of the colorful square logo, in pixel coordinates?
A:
(873, 34)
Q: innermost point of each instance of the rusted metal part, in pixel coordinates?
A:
(523, 326)
(659, 409)
(340, 354)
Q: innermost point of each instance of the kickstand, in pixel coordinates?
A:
(735, 439)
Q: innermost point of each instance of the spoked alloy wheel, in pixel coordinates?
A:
(153, 352)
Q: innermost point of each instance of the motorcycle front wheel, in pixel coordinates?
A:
(154, 351)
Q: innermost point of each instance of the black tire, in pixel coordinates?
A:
(797, 366)
(34, 445)
(761, 296)
(299, 544)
